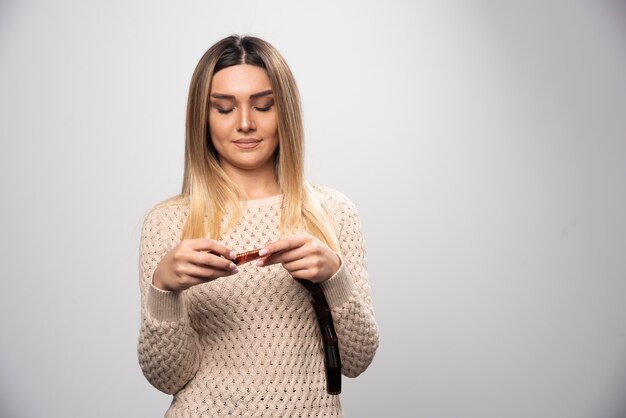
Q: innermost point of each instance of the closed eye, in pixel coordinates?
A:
(263, 109)
(224, 111)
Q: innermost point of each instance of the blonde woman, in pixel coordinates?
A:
(254, 292)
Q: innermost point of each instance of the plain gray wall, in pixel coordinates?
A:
(483, 142)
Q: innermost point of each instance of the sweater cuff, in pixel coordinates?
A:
(339, 287)
(164, 305)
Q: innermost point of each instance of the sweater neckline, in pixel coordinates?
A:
(266, 201)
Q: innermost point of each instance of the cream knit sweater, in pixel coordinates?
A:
(248, 345)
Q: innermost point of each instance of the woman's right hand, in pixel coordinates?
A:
(192, 262)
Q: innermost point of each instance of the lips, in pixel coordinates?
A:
(247, 143)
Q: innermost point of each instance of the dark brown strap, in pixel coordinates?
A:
(332, 360)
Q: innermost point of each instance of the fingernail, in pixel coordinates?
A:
(264, 251)
(233, 255)
(258, 263)
(232, 266)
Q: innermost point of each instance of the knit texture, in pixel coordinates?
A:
(248, 345)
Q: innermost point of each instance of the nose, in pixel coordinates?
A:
(246, 123)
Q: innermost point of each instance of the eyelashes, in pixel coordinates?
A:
(226, 111)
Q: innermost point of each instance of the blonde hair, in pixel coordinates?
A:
(211, 194)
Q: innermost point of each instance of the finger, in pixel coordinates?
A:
(297, 265)
(284, 244)
(286, 256)
(205, 273)
(186, 256)
(210, 260)
(302, 274)
(206, 244)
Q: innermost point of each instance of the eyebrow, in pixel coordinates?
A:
(252, 96)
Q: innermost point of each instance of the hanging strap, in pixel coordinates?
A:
(332, 359)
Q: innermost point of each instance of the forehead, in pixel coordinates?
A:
(240, 80)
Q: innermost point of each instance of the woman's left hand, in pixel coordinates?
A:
(303, 256)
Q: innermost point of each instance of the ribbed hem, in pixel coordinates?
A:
(339, 287)
(165, 306)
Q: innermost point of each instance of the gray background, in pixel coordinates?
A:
(483, 142)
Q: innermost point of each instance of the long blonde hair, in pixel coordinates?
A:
(208, 189)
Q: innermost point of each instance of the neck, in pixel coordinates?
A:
(255, 184)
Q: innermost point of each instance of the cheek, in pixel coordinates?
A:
(270, 127)
(218, 131)
(217, 140)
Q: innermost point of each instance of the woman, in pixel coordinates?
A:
(233, 339)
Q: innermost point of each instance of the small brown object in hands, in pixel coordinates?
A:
(247, 256)
(244, 257)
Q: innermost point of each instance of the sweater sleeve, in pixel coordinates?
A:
(349, 296)
(168, 345)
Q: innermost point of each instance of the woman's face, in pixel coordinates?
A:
(242, 118)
